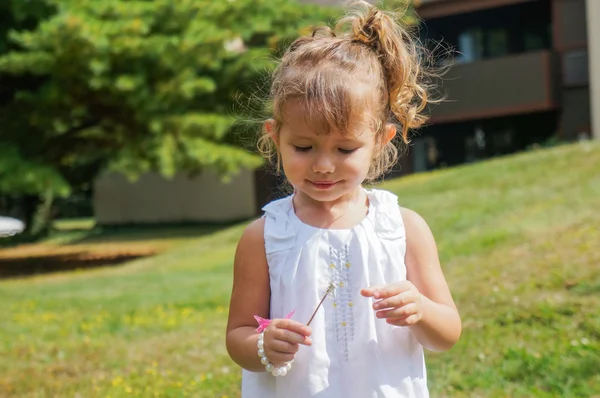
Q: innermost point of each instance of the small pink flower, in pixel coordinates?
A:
(263, 323)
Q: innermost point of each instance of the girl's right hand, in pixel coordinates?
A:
(282, 340)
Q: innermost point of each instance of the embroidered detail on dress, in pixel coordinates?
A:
(343, 314)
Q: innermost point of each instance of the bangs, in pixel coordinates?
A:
(331, 100)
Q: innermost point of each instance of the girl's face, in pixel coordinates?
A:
(324, 167)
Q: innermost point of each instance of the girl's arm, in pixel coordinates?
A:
(440, 326)
(423, 302)
(251, 296)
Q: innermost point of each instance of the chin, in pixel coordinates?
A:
(326, 195)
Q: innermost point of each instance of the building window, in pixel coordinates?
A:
(575, 68)
(497, 43)
(470, 46)
(533, 42)
(419, 154)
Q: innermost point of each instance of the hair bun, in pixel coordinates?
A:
(367, 29)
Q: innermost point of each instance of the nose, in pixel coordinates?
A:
(323, 164)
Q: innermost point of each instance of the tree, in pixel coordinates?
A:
(17, 175)
(140, 85)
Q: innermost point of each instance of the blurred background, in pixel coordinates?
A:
(128, 172)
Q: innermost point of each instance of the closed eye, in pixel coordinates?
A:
(302, 148)
(347, 151)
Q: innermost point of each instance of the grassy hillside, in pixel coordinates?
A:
(518, 238)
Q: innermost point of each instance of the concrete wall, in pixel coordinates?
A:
(569, 24)
(153, 199)
(575, 117)
(593, 28)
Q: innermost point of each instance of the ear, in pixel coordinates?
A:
(271, 129)
(390, 133)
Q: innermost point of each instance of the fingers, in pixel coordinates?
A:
(370, 291)
(288, 336)
(280, 352)
(408, 321)
(400, 303)
(381, 292)
(284, 347)
(282, 339)
(293, 326)
(397, 301)
(399, 313)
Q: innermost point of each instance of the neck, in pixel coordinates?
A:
(349, 207)
(349, 199)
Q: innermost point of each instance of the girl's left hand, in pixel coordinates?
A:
(399, 303)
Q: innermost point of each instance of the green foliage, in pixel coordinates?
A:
(138, 84)
(26, 176)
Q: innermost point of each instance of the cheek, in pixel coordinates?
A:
(292, 161)
(360, 163)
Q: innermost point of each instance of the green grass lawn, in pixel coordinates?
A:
(519, 240)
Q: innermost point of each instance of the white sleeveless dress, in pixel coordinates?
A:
(354, 354)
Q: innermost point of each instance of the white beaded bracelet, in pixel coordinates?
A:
(275, 371)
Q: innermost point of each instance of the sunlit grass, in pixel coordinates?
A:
(70, 224)
(518, 238)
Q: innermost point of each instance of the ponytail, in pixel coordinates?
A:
(399, 55)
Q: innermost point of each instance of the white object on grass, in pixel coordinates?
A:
(10, 226)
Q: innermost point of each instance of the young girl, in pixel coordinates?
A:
(337, 97)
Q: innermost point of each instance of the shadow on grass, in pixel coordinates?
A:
(127, 233)
(69, 249)
(139, 233)
(29, 266)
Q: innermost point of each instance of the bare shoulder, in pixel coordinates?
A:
(253, 235)
(411, 216)
(250, 255)
(421, 249)
(416, 227)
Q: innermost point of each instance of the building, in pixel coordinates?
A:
(204, 198)
(153, 199)
(519, 76)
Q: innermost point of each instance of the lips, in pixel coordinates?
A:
(323, 184)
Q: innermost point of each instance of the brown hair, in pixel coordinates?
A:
(375, 52)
